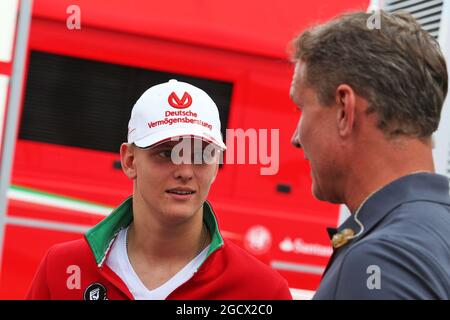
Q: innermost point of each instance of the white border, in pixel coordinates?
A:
(441, 151)
(8, 18)
(4, 81)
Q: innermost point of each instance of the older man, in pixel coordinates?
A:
(370, 100)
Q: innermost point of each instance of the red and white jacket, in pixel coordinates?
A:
(227, 273)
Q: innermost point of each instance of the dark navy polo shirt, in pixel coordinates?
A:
(404, 250)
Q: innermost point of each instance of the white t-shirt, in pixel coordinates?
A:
(119, 262)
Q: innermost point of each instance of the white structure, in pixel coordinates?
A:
(14, 29)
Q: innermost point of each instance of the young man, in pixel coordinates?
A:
(164, 241)
(370, 101)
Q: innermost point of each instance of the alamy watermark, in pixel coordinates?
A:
(374, 280)
(73, 21)
(74, 278)
(374, 21)
(262, 146)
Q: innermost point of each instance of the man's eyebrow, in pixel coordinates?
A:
(165, 145)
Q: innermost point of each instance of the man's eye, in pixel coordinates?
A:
(165, 154)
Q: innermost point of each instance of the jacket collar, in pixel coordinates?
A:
(101, 236)
(413, 187)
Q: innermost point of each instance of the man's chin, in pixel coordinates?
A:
(180, 211)
(317, 193)
(319, 196)
(322, 196)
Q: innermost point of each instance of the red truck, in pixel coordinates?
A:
(81, 80)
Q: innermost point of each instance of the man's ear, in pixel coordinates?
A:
(127, 159)
(346, 102)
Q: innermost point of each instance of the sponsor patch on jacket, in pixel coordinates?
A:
(95, 291)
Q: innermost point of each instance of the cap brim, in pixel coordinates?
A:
(166, 135)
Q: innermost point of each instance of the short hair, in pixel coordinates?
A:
(398, 68)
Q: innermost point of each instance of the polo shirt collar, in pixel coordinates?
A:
(101, 237)
(413, 187)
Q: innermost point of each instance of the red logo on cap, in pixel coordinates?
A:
(183, 103)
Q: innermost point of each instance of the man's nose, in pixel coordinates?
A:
(295, 140)
(184, 171)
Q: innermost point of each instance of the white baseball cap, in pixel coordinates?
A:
(174, 109)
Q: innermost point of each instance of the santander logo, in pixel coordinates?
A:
(177, 103)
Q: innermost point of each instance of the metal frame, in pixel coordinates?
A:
(12, 113)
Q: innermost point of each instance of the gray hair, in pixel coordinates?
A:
(398, 68)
